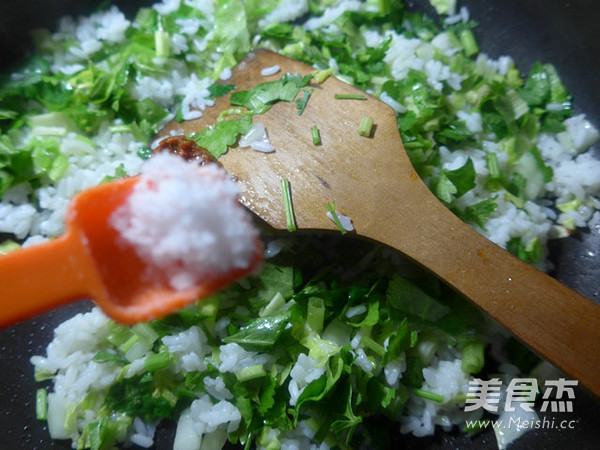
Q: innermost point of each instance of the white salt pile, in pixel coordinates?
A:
(187, 220)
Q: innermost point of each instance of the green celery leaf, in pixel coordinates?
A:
(479, 212)
(219, 137)
(135, 396)
(406, 296)
(261, 334)
(463, 178)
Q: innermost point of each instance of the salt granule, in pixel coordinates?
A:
(186, 219)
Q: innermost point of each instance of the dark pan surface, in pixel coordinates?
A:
(565, 33)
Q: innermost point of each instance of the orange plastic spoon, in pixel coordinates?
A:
(90, 261)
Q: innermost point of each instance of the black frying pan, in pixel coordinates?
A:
(565, 33)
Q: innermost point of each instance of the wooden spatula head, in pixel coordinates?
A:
(372, 180)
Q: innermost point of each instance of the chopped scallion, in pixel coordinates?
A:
(315, 313)
(157, 361)
(350, 97)
(316, 136)
(145, 331)
(41, 404)
(287, 204)
(365, 128)
(472, 356)
(321, 75)
(467, 39)
(331, 208)
(250, 373)
(428, 395)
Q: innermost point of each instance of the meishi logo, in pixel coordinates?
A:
(521, 392)
(518, 399)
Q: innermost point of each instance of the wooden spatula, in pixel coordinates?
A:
(372, 181)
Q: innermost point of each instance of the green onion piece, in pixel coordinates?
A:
(491, 162)
(162, 43)
(157, 361)
(331, 208)
(350, 97)
(428, 395)
(287, 204)
(42, 375)
(316, 136)
(120, 129)
(41, 404)
(427, 346)
(372, 345)
(365, 128)
(8, 246)
(321, 75)
(144, 153)
(250, 373)
(117, 334)
(472, 356)
(315, 313)
(467, 39)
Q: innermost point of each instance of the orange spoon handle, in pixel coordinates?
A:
(38, 278)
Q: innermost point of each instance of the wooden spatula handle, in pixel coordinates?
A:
(553, 320)
(36, 279)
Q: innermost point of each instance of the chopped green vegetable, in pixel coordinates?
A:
(321, 75)
(303, 101)
(219, 137)
(468, 42)
(41, 404)
(8, 246)
(287, 204)
(428, 395)
(250, 373)
(365, 128)
(162, 43)
(220, 90)
(472, 356)
(333, 211)
(260, 98)
(350, 97)
(316, 135)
